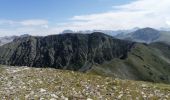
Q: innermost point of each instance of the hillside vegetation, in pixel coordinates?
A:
(144, 62)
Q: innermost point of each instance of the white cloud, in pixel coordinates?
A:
(139, 13)
(45, 26)
(10, 22)
(33, 27)
(33, 22)
(168, 22)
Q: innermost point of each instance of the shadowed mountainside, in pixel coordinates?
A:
(65, 51)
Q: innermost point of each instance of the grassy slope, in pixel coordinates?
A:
(146, 63)
(35, 83)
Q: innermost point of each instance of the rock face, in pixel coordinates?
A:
(65, 51)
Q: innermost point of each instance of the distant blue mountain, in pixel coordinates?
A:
(146, 35)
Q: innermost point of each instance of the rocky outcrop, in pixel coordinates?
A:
(64, 51)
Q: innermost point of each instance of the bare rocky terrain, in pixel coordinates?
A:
(19, 83)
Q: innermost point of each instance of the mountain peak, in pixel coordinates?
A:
(148, 29)
(146, 34)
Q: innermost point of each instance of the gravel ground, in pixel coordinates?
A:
(25, 83)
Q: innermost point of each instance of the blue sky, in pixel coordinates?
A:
(44, 17)
(53, 10)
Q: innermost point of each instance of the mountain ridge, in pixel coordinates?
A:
(63, 50)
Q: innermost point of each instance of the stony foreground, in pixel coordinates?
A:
(20, 83)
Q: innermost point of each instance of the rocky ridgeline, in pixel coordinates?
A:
(28, 83)
(65, 51)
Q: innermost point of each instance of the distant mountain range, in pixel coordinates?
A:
(146, 35)
(8, 39)
(142, 35)
(95, 53)
(108, 32)
(5, 40)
